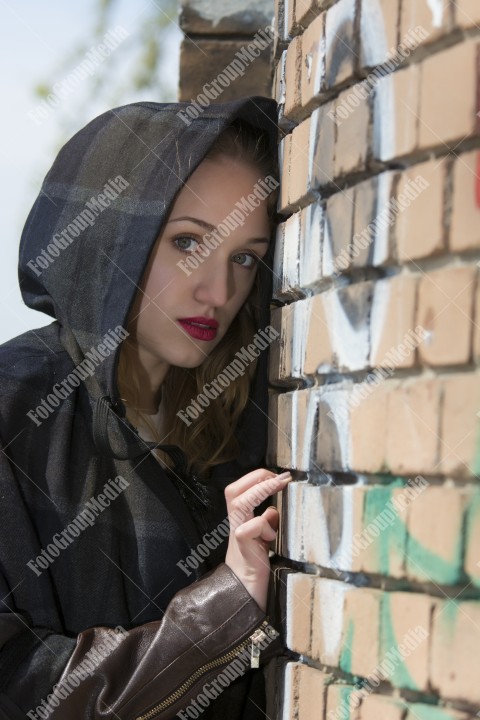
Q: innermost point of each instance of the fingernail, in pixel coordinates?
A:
(283, 476)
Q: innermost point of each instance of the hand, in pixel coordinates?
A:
(250, 535)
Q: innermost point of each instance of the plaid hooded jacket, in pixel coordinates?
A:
(92, 527)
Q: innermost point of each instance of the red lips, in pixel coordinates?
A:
(200, 328)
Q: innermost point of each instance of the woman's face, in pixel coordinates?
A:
(178, 296)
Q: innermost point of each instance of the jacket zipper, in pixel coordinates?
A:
(259, 634)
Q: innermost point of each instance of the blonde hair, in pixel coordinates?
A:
(209, 440)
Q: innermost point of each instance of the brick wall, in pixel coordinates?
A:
(226, 52)
(376, 385)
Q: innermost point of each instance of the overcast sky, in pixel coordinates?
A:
(34, 39)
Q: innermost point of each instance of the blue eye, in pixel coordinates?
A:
(252, 260)
(182, 242)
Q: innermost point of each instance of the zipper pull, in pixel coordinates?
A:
(257, 636)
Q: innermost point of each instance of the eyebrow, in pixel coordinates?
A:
(208, 226)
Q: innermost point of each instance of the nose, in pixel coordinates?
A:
(214, 284)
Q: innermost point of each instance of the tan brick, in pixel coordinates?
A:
(472, 538)
(434, 18)
(304, 694)
(420, 228)
(467, 13)
(361, 628)
(465, 221)
(318, 345)
(476, 325)
(296, 419)
(455, 664)
(292, 505)
(393, 322)
(352, 144)
(343, 701)
(273, 429)
(445, 310)
(395, 113)
(460, 421)
(299, 600)
(330, 519)
(333, 440)
(313, 60)
(300, 190)
(448, 114)
(312, 221)
(328, 633)
(284, 149)
(405, 628)
(367, 445)
(287, 258)
(340, 42)
(323, 152)
(338, 230)
(280, 360)
(382, 542)
(379, 707)
(379, 32)
(422, 711)
(413, 413)
(372, 242)
(435, 529)
(293, 77)
(305, 12)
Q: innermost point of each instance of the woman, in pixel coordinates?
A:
(133, 423)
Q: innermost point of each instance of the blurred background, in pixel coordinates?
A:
(55, 80)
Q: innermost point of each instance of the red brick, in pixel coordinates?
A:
(313, 61)
(293, 77)
(460, 421)
(448, 115)
(340, 42)
(396, 108)
(413, 414)
(445, 310)
(420, 227)
(352, 144)
(465, 221)
(393, 321)
(455, 667)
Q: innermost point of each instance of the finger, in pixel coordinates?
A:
(239, 486)
(241, 508)
(258, 528)
(272, 516)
